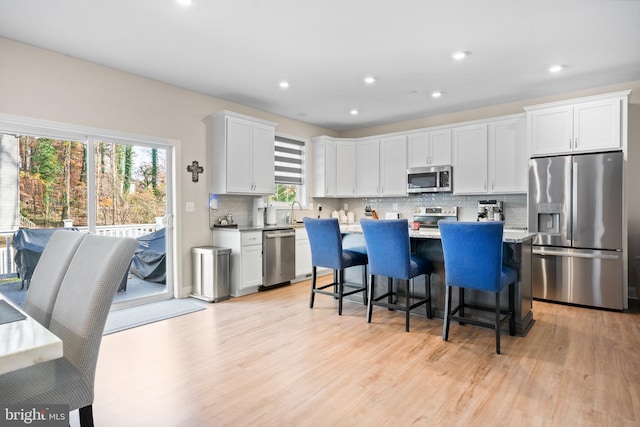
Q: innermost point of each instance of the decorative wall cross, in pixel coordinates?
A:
(195, 170)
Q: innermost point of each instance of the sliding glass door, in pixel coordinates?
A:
(109, 186)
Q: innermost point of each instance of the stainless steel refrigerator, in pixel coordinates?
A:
(575, 207)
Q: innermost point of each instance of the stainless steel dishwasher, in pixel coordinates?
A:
(278, 257)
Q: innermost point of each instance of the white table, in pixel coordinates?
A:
(26, 342)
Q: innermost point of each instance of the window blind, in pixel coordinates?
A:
(289, 161)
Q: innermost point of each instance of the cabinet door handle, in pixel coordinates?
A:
(485, 185)
(576, 143)
(570, 143)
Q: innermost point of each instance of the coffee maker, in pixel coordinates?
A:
(490, 210)
(259, 207)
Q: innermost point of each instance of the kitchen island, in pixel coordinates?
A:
(426, 242)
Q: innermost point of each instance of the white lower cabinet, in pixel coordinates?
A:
(303, 254)
(245, 262)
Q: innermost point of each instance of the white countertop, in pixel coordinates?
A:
(509, 235)
(26, 342)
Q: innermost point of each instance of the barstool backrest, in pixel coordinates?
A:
(472, 254)
(325, 241)
(388, 247)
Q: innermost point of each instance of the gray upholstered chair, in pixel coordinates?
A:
(48, 274)
(78, 318)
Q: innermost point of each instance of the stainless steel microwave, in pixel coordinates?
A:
(431, 179)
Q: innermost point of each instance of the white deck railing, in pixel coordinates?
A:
(7, 253)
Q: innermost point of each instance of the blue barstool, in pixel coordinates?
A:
(326, 251)
(473, 260)
(389, 251)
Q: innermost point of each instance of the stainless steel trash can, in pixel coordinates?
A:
(210, 270)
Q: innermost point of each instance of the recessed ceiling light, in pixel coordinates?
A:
(354, 112)
(459, 55)
(284, 84)
(369, 80)
(184, 2)
(436, 94)
(556, 68)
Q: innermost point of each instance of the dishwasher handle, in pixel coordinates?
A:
(277, 235)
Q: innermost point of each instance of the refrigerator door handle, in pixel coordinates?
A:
(574, 202)
(615, 255)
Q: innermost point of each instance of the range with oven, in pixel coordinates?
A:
(428, 217)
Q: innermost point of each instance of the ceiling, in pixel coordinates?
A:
(240, 50)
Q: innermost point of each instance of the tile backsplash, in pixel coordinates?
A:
(514, 205)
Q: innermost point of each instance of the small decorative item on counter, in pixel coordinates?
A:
(415, 225)
(351, 218)
(342, 216)
(229, 218)
(367, 211)
(374, 215)
(335, 215)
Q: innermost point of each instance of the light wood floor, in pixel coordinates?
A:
(268, 360)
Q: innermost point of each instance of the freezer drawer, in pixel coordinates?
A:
(577, 276)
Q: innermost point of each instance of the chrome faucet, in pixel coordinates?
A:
(291, 218)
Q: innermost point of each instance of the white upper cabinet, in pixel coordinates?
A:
(324, 166)
(393, 166)
(381, 166)
(508, 156)
(432, 148)
(581, 125)
(241, 154)
(470, 168)
(345, 168)
(368, 168)
(491, 157)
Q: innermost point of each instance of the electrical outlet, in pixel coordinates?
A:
(190, 207)
(320, 207)
(346, 206)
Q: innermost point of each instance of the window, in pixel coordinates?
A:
(290, 170)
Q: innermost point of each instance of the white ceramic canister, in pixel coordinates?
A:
(351, 218)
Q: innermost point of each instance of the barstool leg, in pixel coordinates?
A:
(340, 290)
(372, 286)
(497, 326)
(407, 304)
(364, 284)
(447, 313)
(313, 285)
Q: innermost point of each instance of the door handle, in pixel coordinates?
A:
(277, 235)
